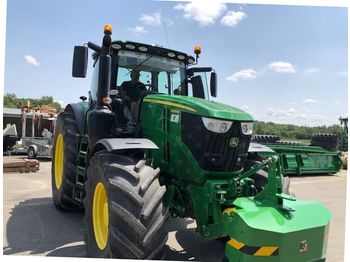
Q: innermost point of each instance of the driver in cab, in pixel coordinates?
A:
(131, 95)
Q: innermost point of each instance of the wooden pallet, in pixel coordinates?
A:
(20, 165)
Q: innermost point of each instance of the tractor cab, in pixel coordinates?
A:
(162, 70)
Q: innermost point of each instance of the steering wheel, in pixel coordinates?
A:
(150, 87)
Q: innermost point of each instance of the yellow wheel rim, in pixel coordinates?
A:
(59, 156)
(100, 216)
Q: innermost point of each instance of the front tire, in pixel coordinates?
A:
(261, 179)
(124, 211)
(64, 163)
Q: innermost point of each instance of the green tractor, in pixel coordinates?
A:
(186, 157)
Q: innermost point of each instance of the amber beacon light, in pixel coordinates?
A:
(197, 49)
(107, 29)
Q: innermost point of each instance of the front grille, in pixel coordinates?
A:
(212, 150)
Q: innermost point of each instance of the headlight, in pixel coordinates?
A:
(247, 128)
(217, 126)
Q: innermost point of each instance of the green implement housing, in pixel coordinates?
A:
(184, 156)
(300, 159)
(304, 160)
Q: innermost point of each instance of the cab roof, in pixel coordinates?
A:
(151, 49)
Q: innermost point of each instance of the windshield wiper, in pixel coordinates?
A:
(140, 64)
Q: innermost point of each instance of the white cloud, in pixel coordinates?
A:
(289, 116)
(336, 102)
(232, 18)
(245, 74)
(168, 21)
(312, 70)
(291, 111)
(281, 67)
(317, 116)
(270, 111)
(62, 103)
(31, 60)
(138, 30)
(249, 74)
(245, 107)
(204, 12)
(307, 110)
(295, 116)
(154, 19)
(311, 101)
(342, 73)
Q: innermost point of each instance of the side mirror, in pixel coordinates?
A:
(80, 61)
(213, 84)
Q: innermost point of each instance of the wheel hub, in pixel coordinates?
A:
(59, 156)
(100, 216)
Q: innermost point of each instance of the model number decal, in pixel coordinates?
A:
(174, 118)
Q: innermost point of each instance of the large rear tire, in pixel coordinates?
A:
(124, 211)
(64, 162)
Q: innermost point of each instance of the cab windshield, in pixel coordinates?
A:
(160, 74)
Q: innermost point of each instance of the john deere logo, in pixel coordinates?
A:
(303, 246)
(233, 142)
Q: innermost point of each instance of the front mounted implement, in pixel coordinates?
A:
(303, 160)
(273, 226)
(321, 157)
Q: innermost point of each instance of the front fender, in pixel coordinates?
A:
(114, 144)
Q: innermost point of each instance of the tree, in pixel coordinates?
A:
(288, 131)
(12, 101)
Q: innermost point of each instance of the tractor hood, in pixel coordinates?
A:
(201, 107)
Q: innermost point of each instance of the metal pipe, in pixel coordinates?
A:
(33, 124)
(24, 122)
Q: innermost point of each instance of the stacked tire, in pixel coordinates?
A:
(265, 139)
(326, 141)
(290, 143)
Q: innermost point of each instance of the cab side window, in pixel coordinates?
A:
(94, 82)
(163, 83)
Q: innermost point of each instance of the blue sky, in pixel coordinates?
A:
(286, 64)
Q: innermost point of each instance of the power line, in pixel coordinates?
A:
(166, 34)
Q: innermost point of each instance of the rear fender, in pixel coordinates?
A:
(79, 110)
